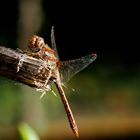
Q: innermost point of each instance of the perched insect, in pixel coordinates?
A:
(60, 71)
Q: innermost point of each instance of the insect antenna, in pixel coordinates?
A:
(69, 87)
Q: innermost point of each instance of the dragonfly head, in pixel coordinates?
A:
(36, 43)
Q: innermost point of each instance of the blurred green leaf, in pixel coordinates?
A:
(26, 132)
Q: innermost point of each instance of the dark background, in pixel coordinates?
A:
(109, 29)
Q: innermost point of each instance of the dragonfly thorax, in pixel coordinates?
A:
(39, 49)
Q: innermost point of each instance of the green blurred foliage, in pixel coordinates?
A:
(26, 132)
(99, 91)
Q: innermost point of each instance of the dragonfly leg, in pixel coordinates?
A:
(48, 78)
(42, 95)
(19, 50)
(20, 62)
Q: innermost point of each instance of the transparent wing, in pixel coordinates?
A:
(69, 68)
(53, 43)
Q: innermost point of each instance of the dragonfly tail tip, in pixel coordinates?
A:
(77, 134)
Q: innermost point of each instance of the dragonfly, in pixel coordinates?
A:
(60, 72)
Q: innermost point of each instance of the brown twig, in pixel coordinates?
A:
(22, 68)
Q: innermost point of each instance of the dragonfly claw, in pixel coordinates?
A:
(54, 93)
(41, 96)
(20, 62)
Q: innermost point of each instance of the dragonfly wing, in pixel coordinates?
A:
(53, 43)
(69, 68)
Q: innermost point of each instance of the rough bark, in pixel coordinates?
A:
(23, 68)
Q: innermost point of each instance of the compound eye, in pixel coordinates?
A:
(40, 43)
(35, 43)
